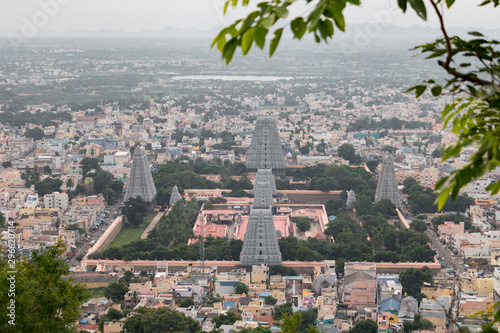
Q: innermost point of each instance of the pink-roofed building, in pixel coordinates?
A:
(450, 228)
(95, 200)
(215, 230)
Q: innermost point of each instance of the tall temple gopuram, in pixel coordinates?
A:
(387, 185)
(261, 243)
(140, 182)
(265, 150)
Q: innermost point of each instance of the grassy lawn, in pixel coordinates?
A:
(131, 234)
(96, 292)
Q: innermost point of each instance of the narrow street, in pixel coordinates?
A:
(450, 261)
(82, 249)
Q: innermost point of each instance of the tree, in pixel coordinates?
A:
(69, 183)
(186, 303)
(303, 224)
(475, 115)
(111, 315)
(270, 300)
(436, 153)
(283, 271)
(365, 326)
(412, 280)
(418, 225)
(128, 276)
(44, 301)
(47, 170)
(35, 133)
(386, 208)
(347, 152)
(115, 291)
(281, 310)
(7, 164)
(228, 318)
(291, 322)
(151, 320)
(372, 165)
(408, 183)
(2, 219)
(47, 186)
(418, 324)
(135, 210)
(117, 186)
(102, 180)
(109, 195)
(241, 289)
(89, 163)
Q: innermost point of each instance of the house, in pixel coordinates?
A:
(407, 309)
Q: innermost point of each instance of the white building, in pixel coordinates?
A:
(56, 200)
(31, 201)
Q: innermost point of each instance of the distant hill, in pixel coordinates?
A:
(372, 30)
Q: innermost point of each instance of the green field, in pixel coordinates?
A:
(131, 234)
(96, 292)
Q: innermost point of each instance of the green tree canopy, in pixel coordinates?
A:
(135, 210)
(102, 180)
(44, 301)
(115, 291)
(303, 224)
(150, 320)
(228, 318)
(412, 280)
(35, 133)
(186, 303)
(89, 163)
(365, 326)
(241, 289)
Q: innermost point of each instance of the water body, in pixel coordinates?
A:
(232, 77)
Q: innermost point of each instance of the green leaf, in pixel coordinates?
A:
(221, 42)
(443, 197)
(298, 27)
(228, 50)
(247, 40)
(221, 34)
(419, 7)
(324, 29)
(472, 90)
(225, 7)
(475, 33)
(275, 41)
(402, 4)
(440, 183)
(268, 21)
(338, 17)
(419, 90)
(281, 12)
(436, 91)
(449, 3)
(259, 36)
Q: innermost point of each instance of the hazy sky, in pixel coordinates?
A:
(137, 15)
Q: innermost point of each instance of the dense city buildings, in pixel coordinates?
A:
(265, 188)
